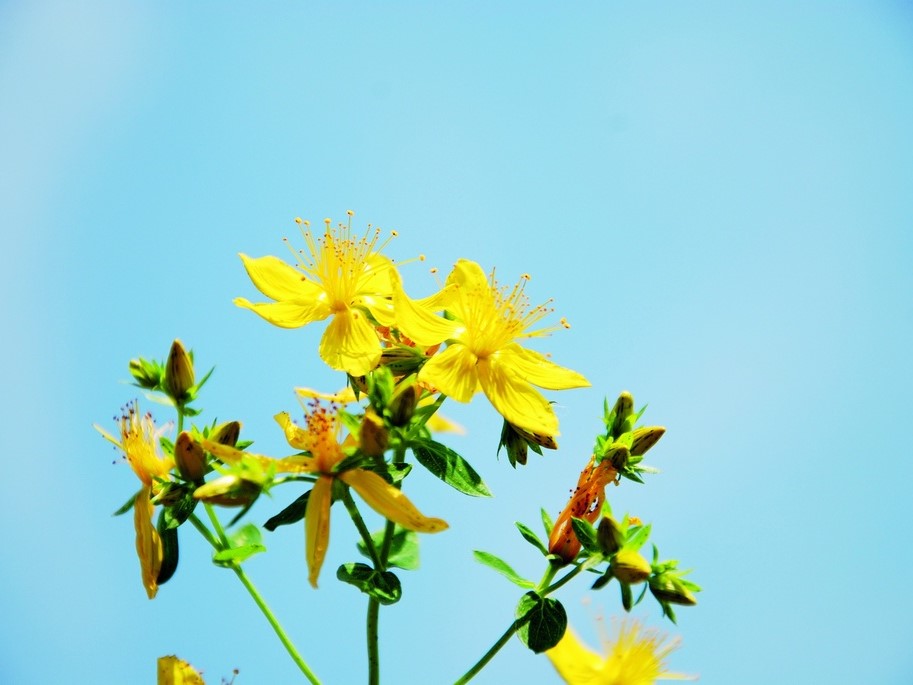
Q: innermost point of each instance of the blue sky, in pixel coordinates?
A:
(717, 197)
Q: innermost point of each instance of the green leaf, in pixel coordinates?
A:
(383, 586)
(531, 538)
(293, 513)
(126, 506)
(547, 522)
(586, 534)
(181, 510)
(169, 538)
(637, 536)
(544, 621)
(626, 598)
(503, 568)
(244, 543)
(450, 467)
(603, 580)
(403, 548)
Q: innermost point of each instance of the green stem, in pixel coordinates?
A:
(220, 543)
(277, 627)
(359, 522)
(489, 655)
(373, 654)
(217, 526)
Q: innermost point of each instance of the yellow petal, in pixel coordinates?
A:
(538, 370)
(174, 671)
(279, 281)
(148, 542)
(515, 399)
(390, 502)
(350, 343)
(290, 314)
(468, 275)
(453, 372)
(317, 527)
(576, 663)
(296, 436)
(344, 396)
(418, 321)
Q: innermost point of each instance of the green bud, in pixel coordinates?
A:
(228, 491)
(402, 406)
(226, 433)
(609, 536)
(178, 373)
(190, 457)
(624, 407)
(630, 567)
(645, 437)
(373, 437)
(516, 446)
(617, 455)
(401, 360)
(146, 374)
(667, 588)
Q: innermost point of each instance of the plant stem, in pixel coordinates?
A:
(220, 543)
(277, 627)
(373, 654)
(489, 655)
(359, 522)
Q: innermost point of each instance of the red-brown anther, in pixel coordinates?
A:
(586, 503)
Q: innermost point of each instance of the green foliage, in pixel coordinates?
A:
(403, 552)
(543, 621)
(293, 513)
(384, 586)
(503, 568)
(531, 537)
(243, 544)
(450, 467)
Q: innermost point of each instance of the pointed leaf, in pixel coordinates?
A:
(127, 506)
(169, 538)
(503, 568)
(293, 513)
(450, 467)
(245, 542)
(531, 538)
(586, 534)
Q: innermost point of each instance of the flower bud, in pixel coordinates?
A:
(373, 437)
(645, 437)
(402, 406)
(668, 588)
(227, 433)
(617, 455)
(190, 458)
(516, 445)
(146, 374)
(624, 406)
(228, 491)
(178, 373)
(609, 535)
(630, 567)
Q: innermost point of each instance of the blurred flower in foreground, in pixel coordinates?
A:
(636, 657)
(321, 441)
(174, 671)
(138, 438)
(482, 352)
(338, 276)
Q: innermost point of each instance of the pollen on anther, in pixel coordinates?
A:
(433, 270)
(350, 212)
(564, 323)
(298, 220)
(394, 233)
(421, 258)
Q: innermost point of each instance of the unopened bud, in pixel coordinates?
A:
(373, 436)
(402, 406)
(609, 535)
(630, 567)
(178, 373)
(617, 455)
(645, 437)
(190, 457)
(228, 491)
(146, 374)
(227, 433)
(669, 589)
(624, 406)
(516, 445)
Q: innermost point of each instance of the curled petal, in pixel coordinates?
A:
(538, 370)
(515, 399)
(390, 502)
(453, 372)
(350, 343)
(317, 527)
(418, 320)
(469, 275)
(296, 436)
(279, 281)
(234, 456)
(288, 314)
(148, 542)
(344, 396)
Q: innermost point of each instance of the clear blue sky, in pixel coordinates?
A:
(717, 195)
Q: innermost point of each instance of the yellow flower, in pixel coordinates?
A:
(175, 671)
(483, 352)
(321, 441)
(636, 657)
(338, 276)
(138, 440)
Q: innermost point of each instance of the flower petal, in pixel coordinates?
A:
(390, 502)
(539, 370)
(418, 321)
(317, 527)
(515, 399)
(576, 663)
(453, 372)
(469, 275)
(148, 542)
(279, 281)
(350, 343)
(291, 314)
